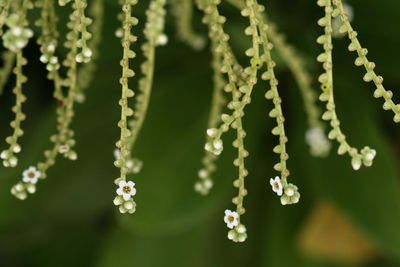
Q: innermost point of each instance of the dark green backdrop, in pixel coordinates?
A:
(71, 220)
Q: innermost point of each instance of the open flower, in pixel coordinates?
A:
(126, 189)
(276, 185)
(231, 218)
(31, 175)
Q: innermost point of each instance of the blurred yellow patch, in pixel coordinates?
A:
(328, 235)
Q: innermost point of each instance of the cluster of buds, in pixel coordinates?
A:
(215, 144)
(16, 37)
(366, 158)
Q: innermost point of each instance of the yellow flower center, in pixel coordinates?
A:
(126, 189)
(276, 186)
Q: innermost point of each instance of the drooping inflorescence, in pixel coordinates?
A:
(132, 120)
(15, 38)
(234, 83)
(366, 155)
(63, 141)
(125, 189)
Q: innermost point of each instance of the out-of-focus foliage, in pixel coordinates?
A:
(71, 221)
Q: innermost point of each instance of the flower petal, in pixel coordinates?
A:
(133, 191)
(119, 191)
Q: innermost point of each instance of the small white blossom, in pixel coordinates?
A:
(117, 154)
(212, 132)
(119, 33)
(162, 39)
(16, 148)
(31, 175)
(277, 186)
(356, 163)
(80, 98)
(203, 173)
(231, 218)
(126, 189)
(4, 154)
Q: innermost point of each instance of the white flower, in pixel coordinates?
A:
(162, 39)
(126, 189)
(276, 185)
(356, 163)
(119, 33)
(212, 132)
(87, 52)
(203, 173)
(31, 175)
(231, 218)
(117, 154)
(80, 98)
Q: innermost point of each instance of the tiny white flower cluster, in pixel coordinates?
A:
(119, 33)
(48, 57)
(318, 142)
(30, 177)
(238, 230)
(215, 144)
(85, 56)
(204, 185)
(162, 39)
(16, 37)
(289, 194)
(155, 23)
(124, 200)
(366, 158)
(133, 165)
(8, 157)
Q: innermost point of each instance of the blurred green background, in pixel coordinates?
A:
(345, 218)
